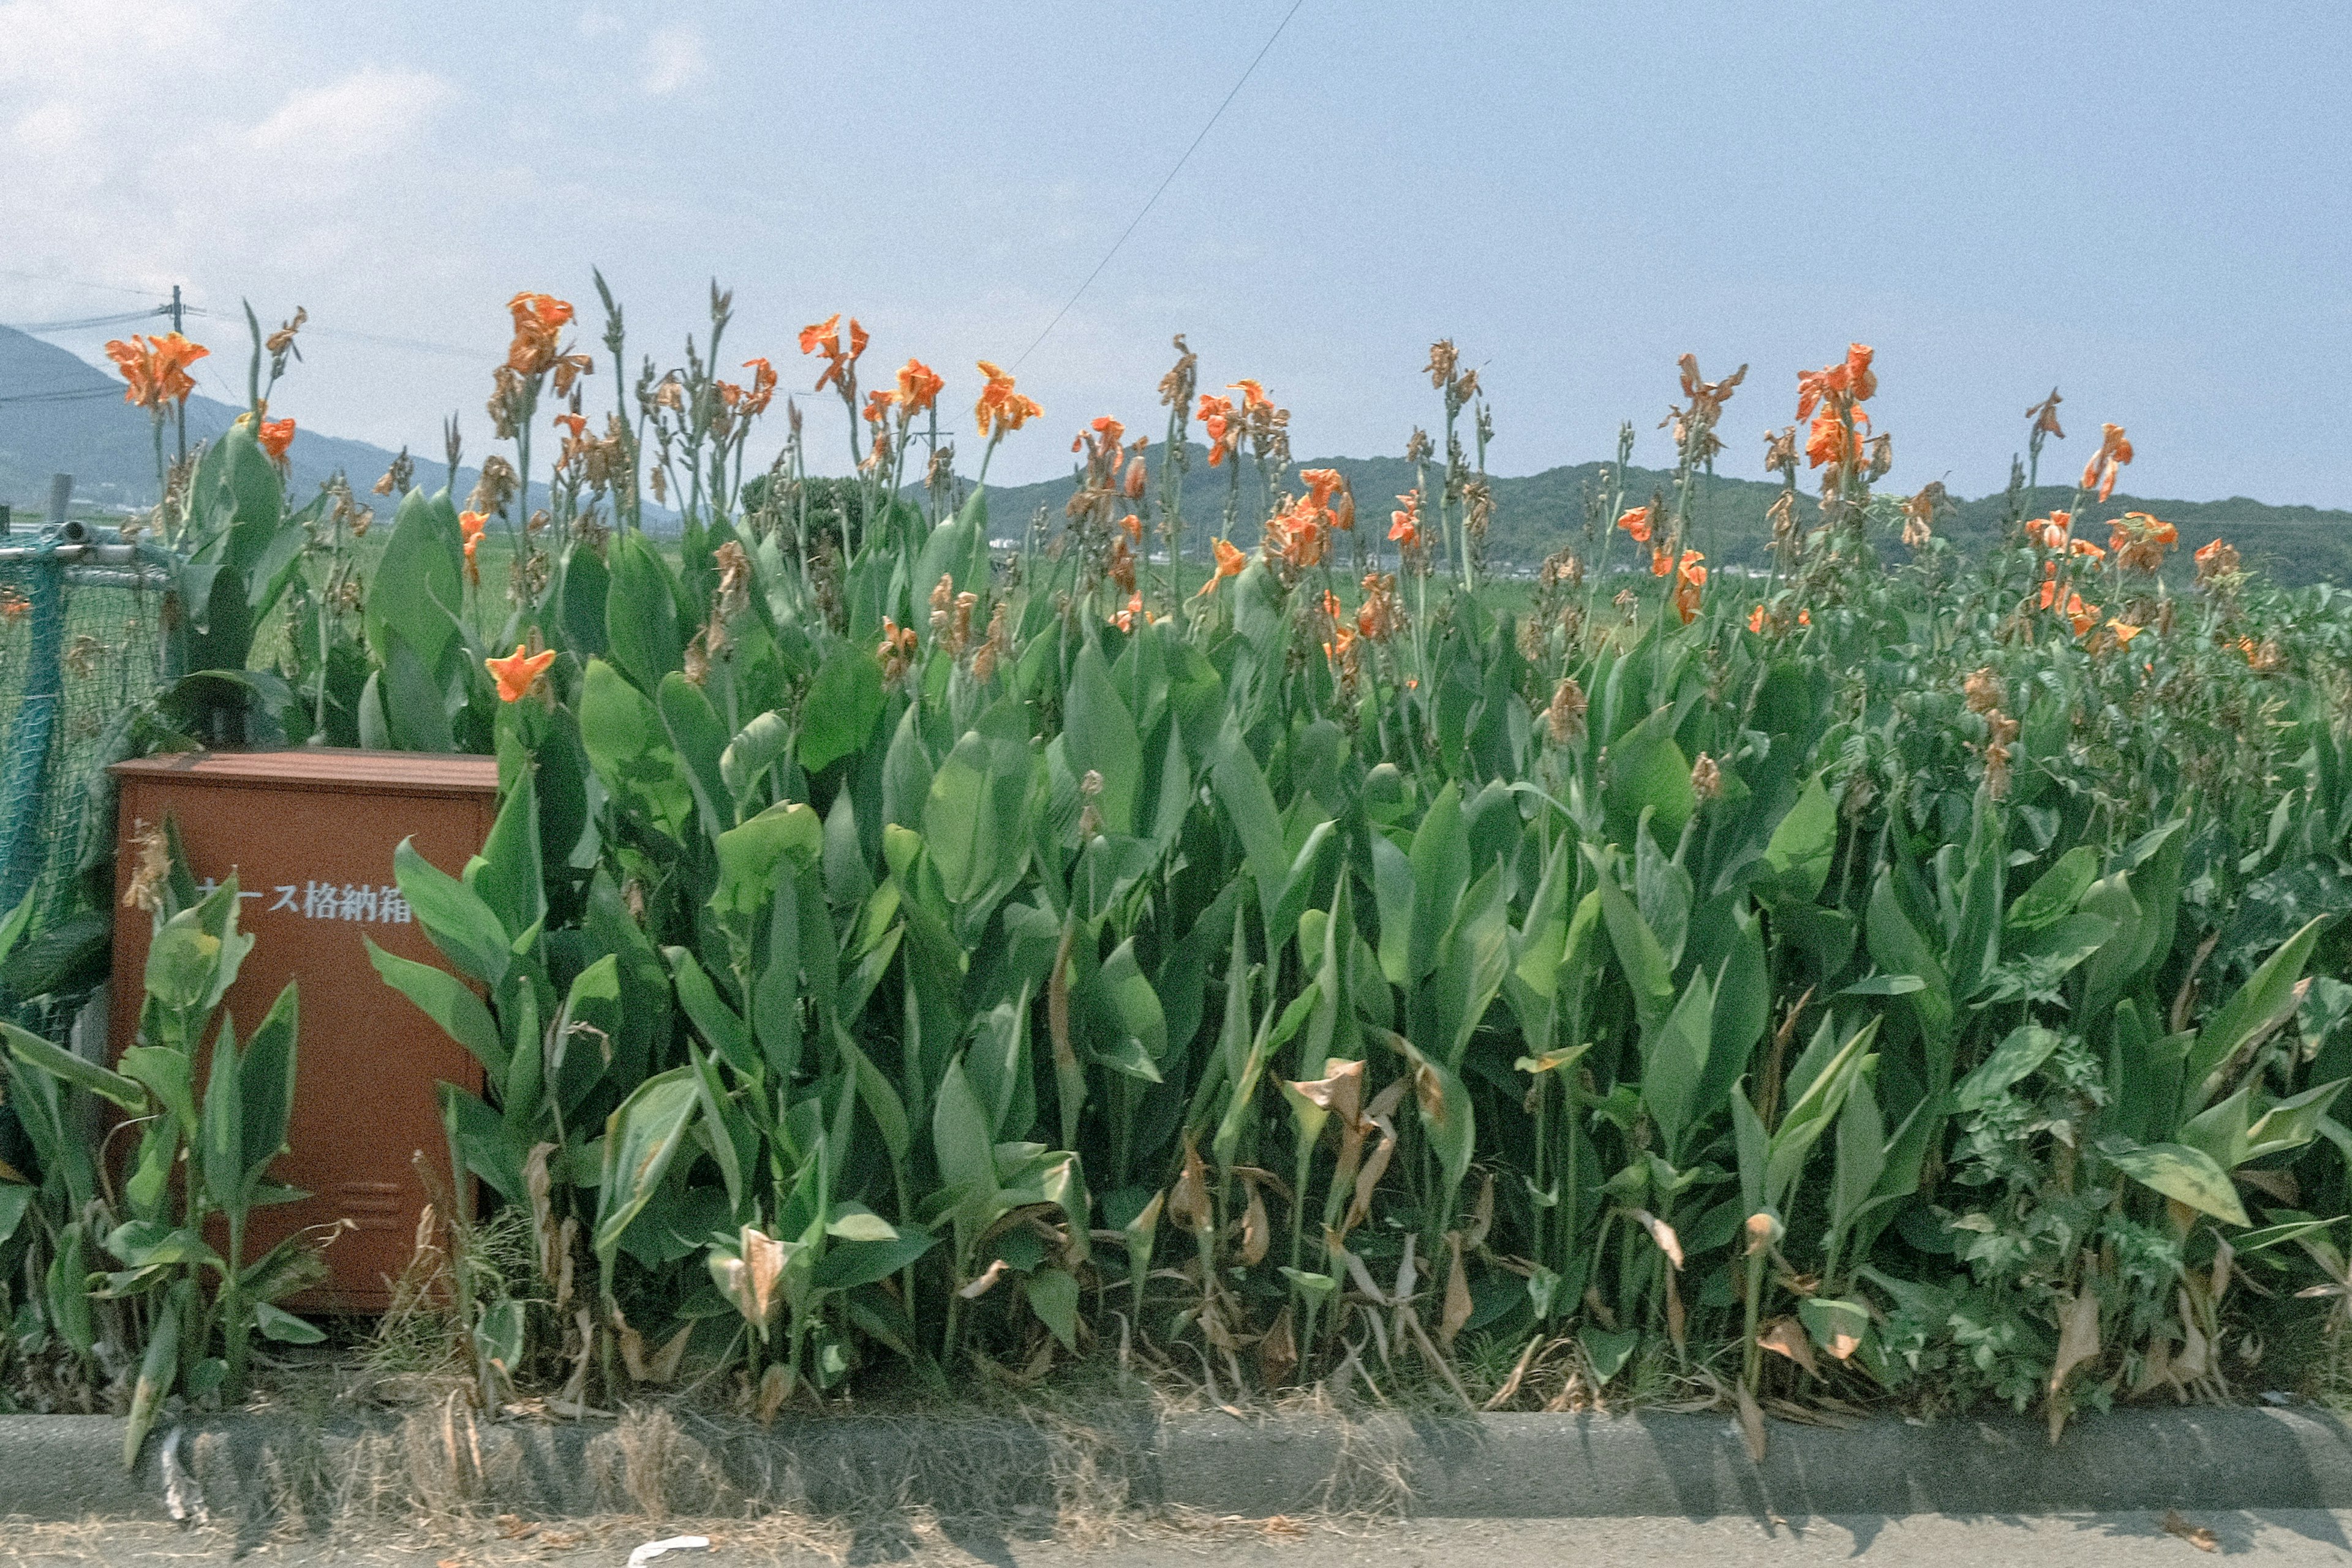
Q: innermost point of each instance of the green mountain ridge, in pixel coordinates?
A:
(1537, 515)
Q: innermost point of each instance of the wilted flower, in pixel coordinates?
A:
(2114, 451)
(1690, 579)
(2140, 541)
(2215, 561)
(1707, 778)
(1564, 717)
(1983, 691)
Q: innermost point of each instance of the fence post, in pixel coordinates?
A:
(23, 788)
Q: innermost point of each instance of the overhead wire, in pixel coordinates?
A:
(1246, 72)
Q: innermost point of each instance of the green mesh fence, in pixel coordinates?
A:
(80, 644)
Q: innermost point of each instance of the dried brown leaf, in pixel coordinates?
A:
(2197, 1535)
(1751, 1422)
(1457, 1294)
(1785, 1336)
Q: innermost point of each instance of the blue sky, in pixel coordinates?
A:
(2144, 205)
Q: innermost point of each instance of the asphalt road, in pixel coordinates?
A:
(2082, 1540)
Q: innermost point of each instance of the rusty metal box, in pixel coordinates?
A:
(310, 835)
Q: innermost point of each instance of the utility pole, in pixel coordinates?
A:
(181, 417)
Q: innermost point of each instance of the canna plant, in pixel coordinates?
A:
(212, 1115)
(1913, 979)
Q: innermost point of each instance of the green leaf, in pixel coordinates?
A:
(843, 702)
(1054, 1297)
(1100, 736)
(629, 747)
(1647, 972)
(756, 748)
(2021, 1051)
(748, 856)
(641, 1138)
(278, 1323)
(2178, 1172)
(962, 1142)
(416, 587)
(1804, 844)
(700, 737)
(62, 1064)
(2056, 891)
(2268, 996)
(511, 875)
(448, 1002)
(641, 620)
(849, 1264)
(455, 917)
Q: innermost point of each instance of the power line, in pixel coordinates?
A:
(84, 323)
(1156, 195)
(66, 395)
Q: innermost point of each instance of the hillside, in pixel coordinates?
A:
(104, 443)
(1536, 514)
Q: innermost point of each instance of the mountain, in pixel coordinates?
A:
(1537, 514)
(60, 414)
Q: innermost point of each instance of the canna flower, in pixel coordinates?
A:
(519, 672)
(878, 404)
(2123, 632)
(2083, 547)
(2114, 451)
(470, 524)
(539, 319)
(1376, 617)
(1133, 488)
(1690, 578)
(1755, 619)
(2215, 560)
(824, 338)
(918, 387)
(1133, 612)
(577, 423)
(1230, 561)
(2140, 540)
(1321, 485)
(1253, 393)
(473, 569)
(1218, 422)
(1637, 523)
(2081, 615)
(1404, 525)
(763, 387)
(2050, 532)
(1662, 560)
(1132, 526)
(1001, 409)
(156, 369)
(274, 436)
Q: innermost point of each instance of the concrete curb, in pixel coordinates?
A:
(260, 1469)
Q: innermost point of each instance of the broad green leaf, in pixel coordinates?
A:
(448, 1002)
(1054, 1297)
(1100, 736)
(2178, 1172)
(456, 918)
(2022, 1050)
(844, 703)
(64, 1064)
(630, 749)
(641, 619)
(1804, 844)
(2056, 891)
(641, 1138)
(2267, 997)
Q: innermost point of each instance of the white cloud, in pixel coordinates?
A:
(674, 59)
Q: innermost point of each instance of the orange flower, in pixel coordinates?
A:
(825, 337)
(2051, 532)
(1253, 393)
(2114, 451)
(1322, 484)
(1834, 439)
(878, 404)
(519, 671)
(1001, 409)
(276, 435)
(763, 387)
(2084, 616)
(1690, 577)
(1230, 561)
(1404, 526)
(2123, 632)
(2083, 547)
(1755, 619)
(918, 387)
(156, 369)
(1637, 523)
(1217, 422)
(1111, 431)
(576, 422)
(1133, 527)
(1661, 562)
(1133, 612)
(473, 570)
(470, 524)
(1122, 564)
(538, 320)
(825, 334)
